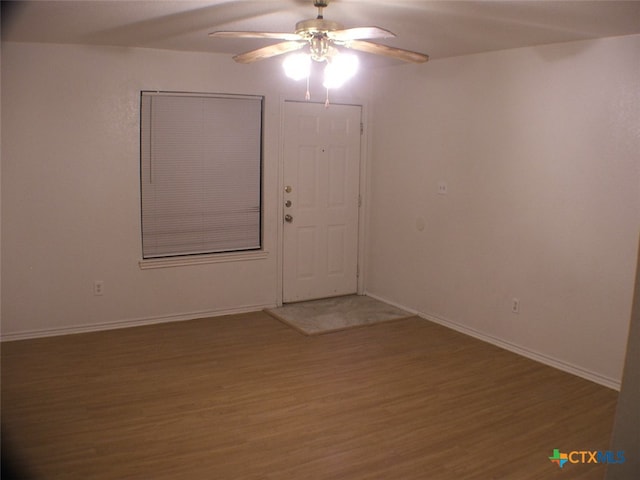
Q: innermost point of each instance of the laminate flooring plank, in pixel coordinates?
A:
(245, 397)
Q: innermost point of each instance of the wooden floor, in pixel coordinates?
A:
(246, 397)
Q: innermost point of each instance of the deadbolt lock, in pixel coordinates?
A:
(287, 203)
(288, 189)
(288, 218)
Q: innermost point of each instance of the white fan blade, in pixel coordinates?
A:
(267, 52)
(359, 33)
(274, 35)
(399, 53)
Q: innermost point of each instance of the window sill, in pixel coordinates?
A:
(202, 259)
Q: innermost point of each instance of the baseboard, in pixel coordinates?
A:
(394, 304)
(522, 351)
(138, 322)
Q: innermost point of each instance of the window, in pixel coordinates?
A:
(200, 169)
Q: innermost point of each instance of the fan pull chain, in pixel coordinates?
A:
(326, 102)
(307, 96)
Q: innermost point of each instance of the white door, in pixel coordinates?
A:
(321, 200)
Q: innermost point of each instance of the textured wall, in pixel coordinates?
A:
(539, 149)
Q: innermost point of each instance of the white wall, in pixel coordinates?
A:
(70, 188)
(539, 148)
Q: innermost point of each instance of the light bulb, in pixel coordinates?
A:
(340, 69)
(297, 66)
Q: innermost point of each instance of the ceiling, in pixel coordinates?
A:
(439, 28)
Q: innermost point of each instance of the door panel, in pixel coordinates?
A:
(322, 169)
(305, 254)
(336, 241)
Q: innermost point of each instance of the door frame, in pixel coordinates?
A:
(363, 210)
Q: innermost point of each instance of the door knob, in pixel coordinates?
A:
(287, 203)
(288, 218)
(288, 189)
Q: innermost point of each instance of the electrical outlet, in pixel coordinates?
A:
(98, 287)
(442, 188)
(515, 305)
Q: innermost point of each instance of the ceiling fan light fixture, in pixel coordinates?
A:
(322, 37)
(297, 66)
(324, 41)
(319, 47)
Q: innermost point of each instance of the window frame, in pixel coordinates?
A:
(178, 259)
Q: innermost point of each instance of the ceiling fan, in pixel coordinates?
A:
(322, 36)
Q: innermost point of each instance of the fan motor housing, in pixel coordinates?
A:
(307, 28)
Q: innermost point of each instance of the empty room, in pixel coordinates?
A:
(329, 240)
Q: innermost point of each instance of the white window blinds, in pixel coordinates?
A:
(200, 172)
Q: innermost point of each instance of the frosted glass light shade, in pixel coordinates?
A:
(340, 69)
(297, 66)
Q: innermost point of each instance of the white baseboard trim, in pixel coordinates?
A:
(394, 304)
(522, 351)
(138, 322)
